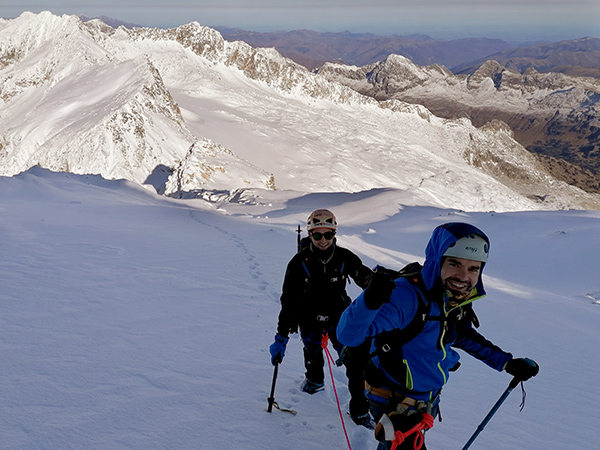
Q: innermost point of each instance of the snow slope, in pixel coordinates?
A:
(130, 320)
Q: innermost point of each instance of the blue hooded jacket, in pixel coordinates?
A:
(421, 366)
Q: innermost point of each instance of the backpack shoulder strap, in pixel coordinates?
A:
(398, 337)
(303, 243)
(409, 332)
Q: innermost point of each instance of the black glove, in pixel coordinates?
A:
(379, 290)
(522, 368)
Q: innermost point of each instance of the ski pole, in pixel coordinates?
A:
(271, 399)
(513, 384)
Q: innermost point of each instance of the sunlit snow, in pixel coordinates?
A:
(129, 320)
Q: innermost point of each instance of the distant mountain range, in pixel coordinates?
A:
(312, 49)
(580, 57)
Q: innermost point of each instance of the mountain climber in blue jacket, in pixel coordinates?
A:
(313, 298)
(415, 323)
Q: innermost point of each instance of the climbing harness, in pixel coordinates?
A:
(397, 437)
(404, 407)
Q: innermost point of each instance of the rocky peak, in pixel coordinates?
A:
(141, 102)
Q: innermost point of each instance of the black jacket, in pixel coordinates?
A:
(314, 288)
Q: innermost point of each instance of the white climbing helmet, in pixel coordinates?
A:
(321, 218)
(472, 246)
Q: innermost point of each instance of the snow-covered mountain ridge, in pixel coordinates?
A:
(189, 113)
(550, 113)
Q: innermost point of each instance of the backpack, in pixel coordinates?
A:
(412, 272)
(399, 337)
(388, 346)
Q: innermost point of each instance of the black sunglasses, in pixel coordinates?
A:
(328, 235)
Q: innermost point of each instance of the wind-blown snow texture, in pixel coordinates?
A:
(130, 320)
(189, 113)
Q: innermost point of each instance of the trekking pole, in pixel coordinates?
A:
(513, 384)
(271, 399)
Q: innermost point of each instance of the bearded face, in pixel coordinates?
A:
(459, 276)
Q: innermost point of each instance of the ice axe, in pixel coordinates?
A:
(271, 399)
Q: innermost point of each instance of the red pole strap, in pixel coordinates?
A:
(425, 424)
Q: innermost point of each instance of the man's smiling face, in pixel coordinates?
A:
(459, 276)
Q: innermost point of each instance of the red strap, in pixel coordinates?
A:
(324, 340)
(425, 424)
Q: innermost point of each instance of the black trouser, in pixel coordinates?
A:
(355, 360)
(314, 360)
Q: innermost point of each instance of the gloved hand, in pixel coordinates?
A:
(522, 368)
(379, 290)
(277, 349)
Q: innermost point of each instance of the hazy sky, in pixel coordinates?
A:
(513, 20)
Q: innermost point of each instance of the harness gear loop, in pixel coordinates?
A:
(401, 399)
(425, 424)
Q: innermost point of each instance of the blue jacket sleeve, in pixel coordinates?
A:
(479, 347)
(359, 322)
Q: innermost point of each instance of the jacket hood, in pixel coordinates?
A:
(443, 237)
